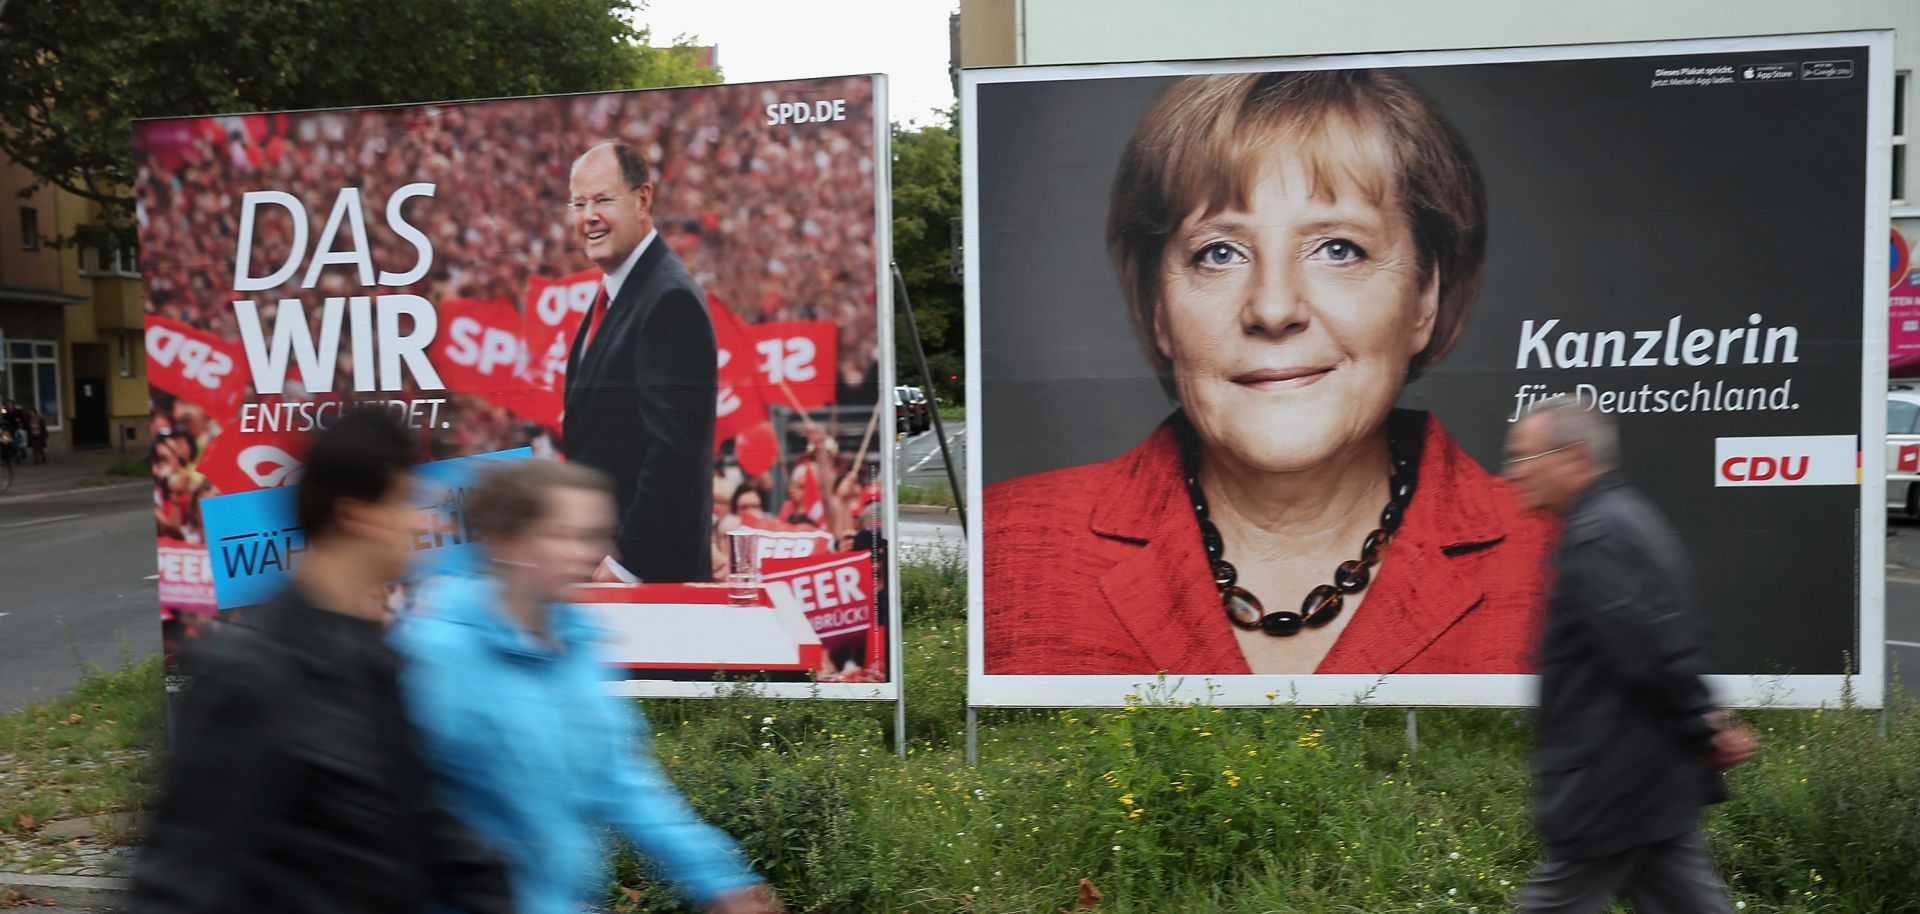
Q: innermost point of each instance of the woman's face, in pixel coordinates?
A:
(1290, 324)
(562, 547)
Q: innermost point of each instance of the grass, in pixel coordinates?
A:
(1159, 808)
(1215, 810)
(93, 751)
(940, 493)
(130, 465)
(953, 413)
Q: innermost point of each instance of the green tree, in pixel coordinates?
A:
(80, 70)
(926, 210)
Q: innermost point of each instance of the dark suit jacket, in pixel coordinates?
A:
(1622, 707)
(1099, 569)
(640, 408)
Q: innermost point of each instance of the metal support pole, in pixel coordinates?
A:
(1413, 731)
(973, 736)
(926, 377)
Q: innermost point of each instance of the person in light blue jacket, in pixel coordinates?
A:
(503, 683)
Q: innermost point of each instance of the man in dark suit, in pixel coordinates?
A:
(642, 376)
(1630, 746)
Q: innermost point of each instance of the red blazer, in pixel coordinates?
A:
(1098, 569)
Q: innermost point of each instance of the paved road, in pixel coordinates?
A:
(937, 532)
(75, 588)
(1903, 600)
(918, 460)
(918, 457)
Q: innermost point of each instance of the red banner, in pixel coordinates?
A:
(479, 350)
(798, 361)
(196, 367)
(742, 404)
(238, 462)
(835, 590)
(186, 576)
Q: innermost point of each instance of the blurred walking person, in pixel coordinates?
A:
(37, 437)
(294, 785)
(503, 681)
(1630, 746)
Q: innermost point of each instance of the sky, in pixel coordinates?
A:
(789, 39)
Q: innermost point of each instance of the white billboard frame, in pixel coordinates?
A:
(1867, 686)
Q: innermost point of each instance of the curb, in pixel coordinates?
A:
(36, 496)
(73, 891)
(926, 510)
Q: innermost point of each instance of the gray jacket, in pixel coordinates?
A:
(1622, 725)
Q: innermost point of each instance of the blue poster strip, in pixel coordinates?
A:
(255, 539)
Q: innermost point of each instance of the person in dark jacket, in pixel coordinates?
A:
(37, 437)
(1630, 746)
(294, 785)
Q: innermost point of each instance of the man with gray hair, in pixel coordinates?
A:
(1630, 746)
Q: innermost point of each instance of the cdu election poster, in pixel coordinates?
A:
(1247, 337)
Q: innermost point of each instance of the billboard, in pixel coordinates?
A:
(1247, 337)
(683, 288)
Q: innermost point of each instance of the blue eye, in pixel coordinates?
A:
(1340, 250)
(1217, 254)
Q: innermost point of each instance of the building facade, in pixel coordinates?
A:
(71, 320)
(33, 304)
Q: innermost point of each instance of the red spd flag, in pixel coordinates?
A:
(478, 350)
(835, 590)
(741, 403)
(237, 462)
(196, 366)
(554, 310)
(186, 576)
(799, 361)
(1909, 459)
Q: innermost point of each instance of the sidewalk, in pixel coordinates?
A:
(66, 472)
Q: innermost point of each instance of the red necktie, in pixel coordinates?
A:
(595, 317)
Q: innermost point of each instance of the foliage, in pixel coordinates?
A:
(1193, 808)
(939, 493)
(93, 751)
(81, 70)
(1178, 807)
(926, 202)
(130, 465)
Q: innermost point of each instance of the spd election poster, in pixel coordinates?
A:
(1248, 337)
(535, 278)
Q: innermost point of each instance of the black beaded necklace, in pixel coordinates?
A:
(1324, 602)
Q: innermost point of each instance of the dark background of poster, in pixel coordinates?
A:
(1612, 206)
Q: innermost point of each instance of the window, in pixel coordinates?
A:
(33, 378)
(1901, 83)
(126, 357)
(29, 228)
(1900, 417)
(109, 259)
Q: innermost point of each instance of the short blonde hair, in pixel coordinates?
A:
(1202, 145)
(512, 496)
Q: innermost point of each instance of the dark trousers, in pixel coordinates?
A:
(1676, 876)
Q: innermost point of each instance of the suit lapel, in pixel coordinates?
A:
(624, 312)
(1428, 580)
(1163, 595)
